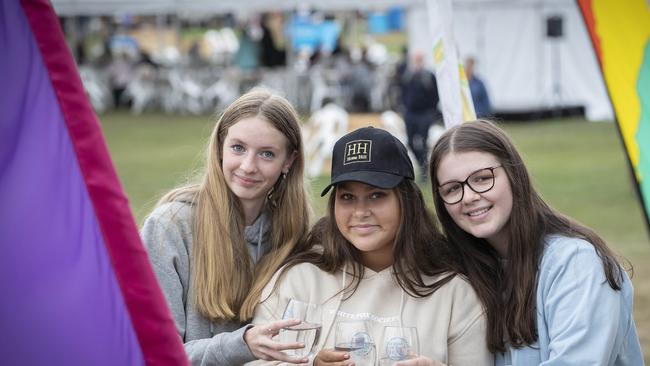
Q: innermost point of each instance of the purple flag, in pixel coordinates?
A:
(77, 288)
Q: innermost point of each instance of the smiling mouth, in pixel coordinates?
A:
(479, 212)
(363, 228)
(246, 180)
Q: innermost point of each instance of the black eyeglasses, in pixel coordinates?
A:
(480, 181)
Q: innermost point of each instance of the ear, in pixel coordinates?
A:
(289, 162)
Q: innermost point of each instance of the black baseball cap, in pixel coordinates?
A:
(372, 156)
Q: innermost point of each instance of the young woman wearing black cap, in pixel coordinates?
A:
(377, 257)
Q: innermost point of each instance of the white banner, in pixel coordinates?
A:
(455, 98)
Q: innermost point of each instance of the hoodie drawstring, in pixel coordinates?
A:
(338, 305)
(259, 238)
(401, 309)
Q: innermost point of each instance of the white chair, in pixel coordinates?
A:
(323, 85)
(97, 89)
(221, 93)
(393, 123)
(187, 93)
(320, 134)
(142, 89)
(435, 131)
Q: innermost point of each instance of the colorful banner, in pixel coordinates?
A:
(620, 33)
(77, 287)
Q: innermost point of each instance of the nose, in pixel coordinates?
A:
(248, 163)
(361, 208)
(469, 195)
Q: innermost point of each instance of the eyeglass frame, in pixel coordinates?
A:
(466, 183)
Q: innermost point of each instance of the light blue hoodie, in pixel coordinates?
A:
(581, 320)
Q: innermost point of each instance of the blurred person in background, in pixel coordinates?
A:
(420, 101)
(120, 72)
(395, 88)
(480, 96)
(360, 82)
(270, 54)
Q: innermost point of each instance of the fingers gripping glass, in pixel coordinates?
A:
(307, 332)
(480, 181)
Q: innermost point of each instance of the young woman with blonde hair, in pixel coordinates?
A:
(215, 245)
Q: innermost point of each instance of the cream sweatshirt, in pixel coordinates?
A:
(450, 322)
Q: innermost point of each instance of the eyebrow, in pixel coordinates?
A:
(459, 181)
(238, 141)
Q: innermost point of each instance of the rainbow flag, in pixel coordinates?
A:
(620, 33)
(77, 287)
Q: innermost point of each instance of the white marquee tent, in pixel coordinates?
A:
(522, 67)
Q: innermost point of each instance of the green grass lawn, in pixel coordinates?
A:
(579, 167)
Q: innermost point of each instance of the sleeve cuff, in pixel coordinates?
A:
(235, 349)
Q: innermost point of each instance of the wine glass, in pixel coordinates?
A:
(352, 336)
(307, 332)
(398, 344)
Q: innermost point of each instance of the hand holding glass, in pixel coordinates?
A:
(352, 336)
(307, 332)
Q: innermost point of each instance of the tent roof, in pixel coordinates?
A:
(154, 7)
(116, 7)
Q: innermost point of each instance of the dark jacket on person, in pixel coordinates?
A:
(419, 91)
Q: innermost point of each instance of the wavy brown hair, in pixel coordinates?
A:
(508, 292)
(418, 248)
(226, 284)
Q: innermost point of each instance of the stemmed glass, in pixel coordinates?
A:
(307, 332)
(398, 344)
(353, 337)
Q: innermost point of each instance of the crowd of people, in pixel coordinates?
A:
(197, 67)
(499, 278)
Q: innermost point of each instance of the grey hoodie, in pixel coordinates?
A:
(167, 236)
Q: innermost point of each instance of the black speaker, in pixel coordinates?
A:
(554, 26)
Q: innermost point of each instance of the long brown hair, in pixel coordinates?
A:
(418, 248)
(508, 292)
(226, 285)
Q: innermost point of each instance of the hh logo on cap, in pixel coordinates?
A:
(357, 151)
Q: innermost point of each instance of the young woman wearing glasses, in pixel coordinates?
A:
(553, 291)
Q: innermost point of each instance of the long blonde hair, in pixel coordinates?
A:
(226, 284)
